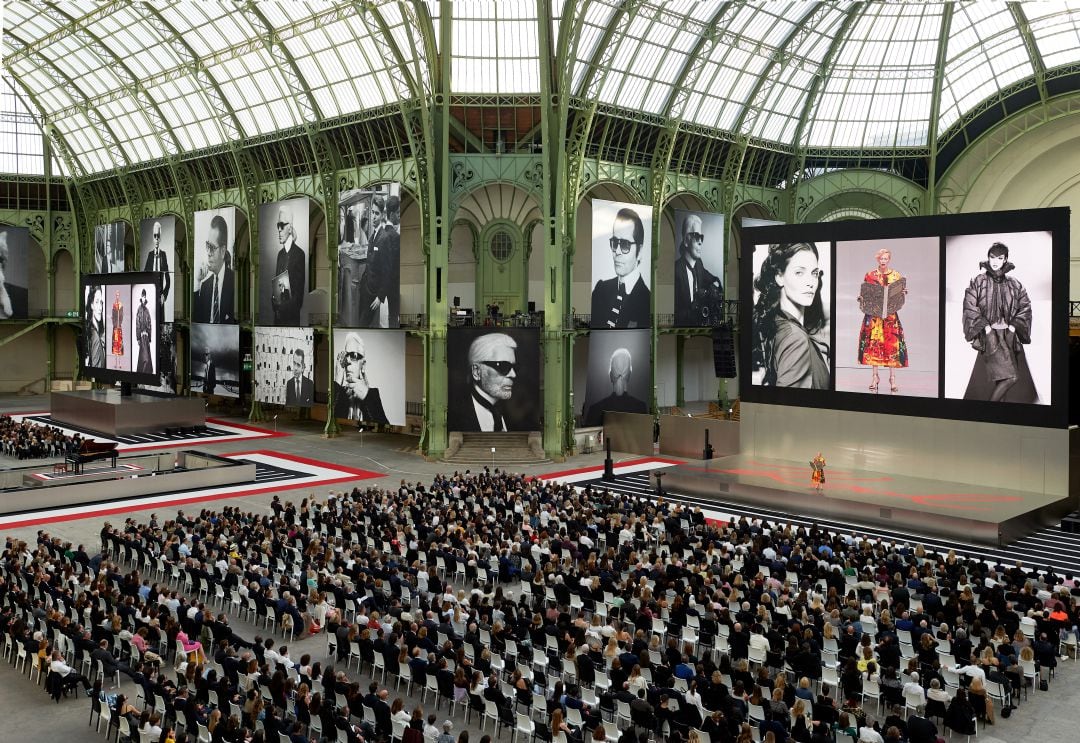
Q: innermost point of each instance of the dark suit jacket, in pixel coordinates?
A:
(371, 407)
(380, 279)
(635, 307)
(461, 415)
(614, 403)
(684, 300)
(163, 267)
(19, 300)
(209, 379)
(302, 400)
(287, 311)
(204, 298)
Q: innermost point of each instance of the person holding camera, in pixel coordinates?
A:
(698, 294)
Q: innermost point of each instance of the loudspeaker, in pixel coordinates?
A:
(532, 307)
(723, 345)
(457, 301)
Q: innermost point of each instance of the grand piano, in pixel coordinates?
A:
(91, 451)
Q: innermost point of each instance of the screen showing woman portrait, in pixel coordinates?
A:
(998, 317)
(790, 316)
(887, 316)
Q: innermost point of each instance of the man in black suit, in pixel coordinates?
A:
(214, 299)
(693, 283)
(299, 389)
(13, 298)
(157, 261)
(290, 260)
(354, 397)
(620, 400)
(209, 375)
(379, 285)
(624, 301)
(492, 372)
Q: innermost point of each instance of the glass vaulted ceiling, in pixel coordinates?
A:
(125, 82)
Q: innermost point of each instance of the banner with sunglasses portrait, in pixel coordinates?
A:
(699, 269)
(369, 257)
(621, 255)
(493, 379)
(369, 383)
(283, 262)
(157, 253)
(14, 276)
(214, 278)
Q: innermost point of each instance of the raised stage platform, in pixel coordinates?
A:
(968, 513)
(107, 412)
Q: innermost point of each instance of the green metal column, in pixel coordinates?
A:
(437, 227)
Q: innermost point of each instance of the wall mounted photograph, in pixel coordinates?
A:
(285, 366)
(214, 278)
(621, 260)
(620, 374)
(14, 278)
(215, 359)
(493, 379)
(699, 268)
(109, 247)
(369, 384)
(157, 253)
(369, 257)
(284, 247)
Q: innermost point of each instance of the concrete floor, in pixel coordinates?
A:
(28, 713)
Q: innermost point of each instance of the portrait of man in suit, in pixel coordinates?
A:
(209, 374)
(13, 297)
(158, 262)
(699, 295)
(625, 300)
(214, 298)
(492, 373)
(379, 284)
(291, 261)
(300, 389)
(620, 367)
(354, 397)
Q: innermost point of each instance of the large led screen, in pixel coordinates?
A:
(157, 254)
(958, 316)
(369, 257)
(121, 327)
(14, 277)
(285, 366)
(621, 256)
(368, 376)
(283, 262)
(494, 379)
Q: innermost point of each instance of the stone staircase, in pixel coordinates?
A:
(510, 449)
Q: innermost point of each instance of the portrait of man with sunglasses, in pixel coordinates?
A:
(354, 397)
(486, 404)
(292, 262)
(699, 295)
(623, 301)
(215, 297)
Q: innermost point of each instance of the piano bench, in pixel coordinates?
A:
(60, 468)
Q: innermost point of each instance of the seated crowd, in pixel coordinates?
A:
(596, 614)
(29, 440)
